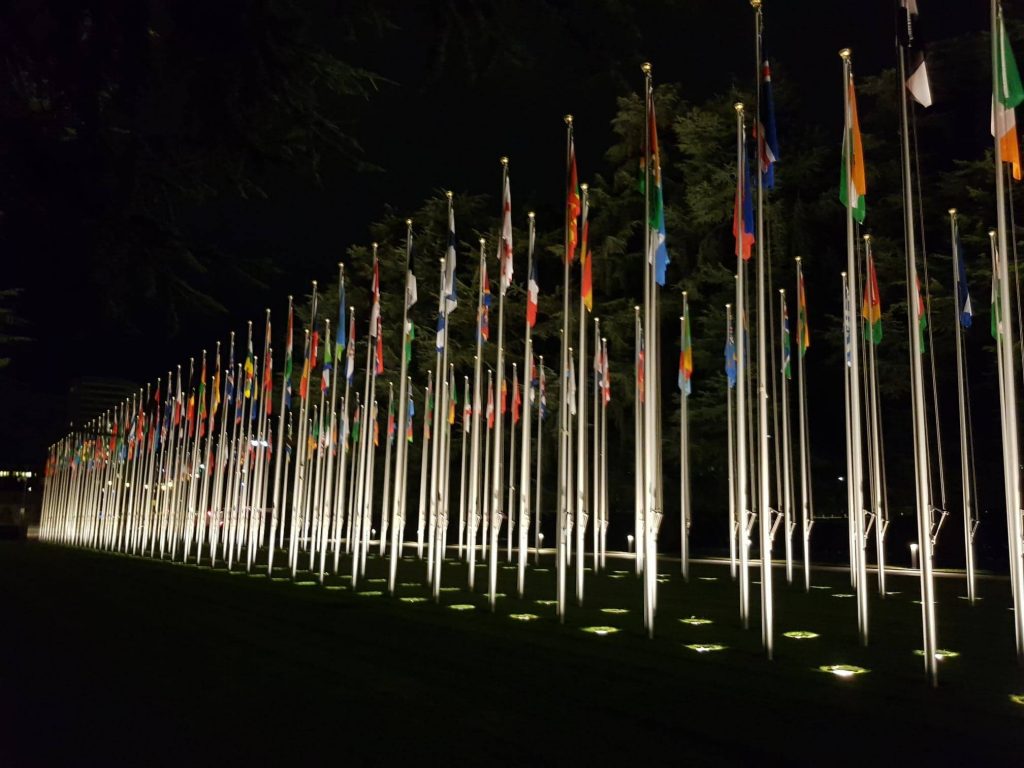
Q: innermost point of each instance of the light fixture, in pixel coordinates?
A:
(940, 653)
(370, 593)
(602, 631)
(523, 616)
(842, 670)
(800, 634)
(462, 607)
(706, 647)
(695, 621)
(842, 594)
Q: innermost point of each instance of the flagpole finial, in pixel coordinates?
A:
(449, 194)
(843, 275)
(503, 160)
(584, 186)
(481, 242)
(531, 215)
(844, 54)
(755, 4)
(568, 119)
(867, 238)
(738, 106)
(798, 259)
(952, 212)
(782, 291)
(408, 222)
(992, 234)
(646, 67)
(314, 284)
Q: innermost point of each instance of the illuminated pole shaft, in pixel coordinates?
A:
(731, 447)
(401, 448)
(389, 441)
(563, 411)
(741, 403)
(441, 514)
(638, 459)
(596, 447)
(874, 433)
(540, 466)
(787, 441)
(475, 436)
(440, 407)
(806, 521)
(684, 463)
(496, 470)
(512, 479)
(604, 460)
(467, 400)
(362, 474)
(344, 480)
(277, 516)
(650, 372)
(582, 506)
(525, 437)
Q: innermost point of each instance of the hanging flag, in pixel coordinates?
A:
(787, 368)
(743, 212)
(1009, 93)
(572, 201)
(375, 307)
(963, 294)
(451, 300)
(467, 409)
(922, 317)
(640, 369)
(376, 427)
(356, 423)
(685, 354)
(411, 288)
(391, 419)
(871, 309)
(543, 387)
(350, 352)
(268, 381)
(846, 325)
(532, 295)
(656, 223)
(215, 395)
(505, 247)
(248, 368)
(504, 397)
(453, 401)
(852, 184)
(764, 130)
(517, 400)
(484, 322)
(996, 304)
(325, 373)
(908, 34)
(490, 407)
(570, 386)
(439, 336)
(586, 268)
(410, 335)
(379, 349)
(606, 384)
(730, 358)
(803, 334)
(339, 339)
(287, 384)
(408, 420)
(202, 396)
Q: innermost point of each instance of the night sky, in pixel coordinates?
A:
(462, 83)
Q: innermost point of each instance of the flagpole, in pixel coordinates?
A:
(439, 407)
(440, 424)
(605, 399)
(582, 506)
(344, 481)
(357, 511)
(540, 445)
(787, 437)
(1011, 446)
(970, 522)
(467, 411)
(875, 427)
(401, 450)
(562, 404)
(525, 429)
(651, 566)
(684, 456)
(512, 479)
(806, 521)
(475, 436)
(741, 399)
(731, 447)
(597, 511)
(638, 462)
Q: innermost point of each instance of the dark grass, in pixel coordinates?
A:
(116, 660)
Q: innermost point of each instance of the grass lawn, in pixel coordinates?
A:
(114, 660)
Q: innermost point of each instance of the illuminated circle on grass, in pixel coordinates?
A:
(408, 559)
(500, 594)
(619, 576)
(842, 670)
(940, 653)
(800, 634)
(334, 587)
(705, 647)
(410, 584)
(370, 593)
(546, 602)
(449, 589)
(820, 586)
(375, 581)
(707, 578)
(615, 610)
(256, 575)
(523, 616)
(843, 594)
(509, 567)
(602, 631)
(695, 621)
(622, 572)
(462, 607)
(542, 570)
(279, 578)
(305, 583)
(964, 597)
(1017, 698)
(415, 599)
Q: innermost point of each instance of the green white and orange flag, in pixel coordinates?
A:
(871, 309)
(1009, 93)
(852, 184)
(586, 267)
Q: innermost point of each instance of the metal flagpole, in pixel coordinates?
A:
(731, 446)
(596, 445)
(475, 436)
(467, 417)
(650, 372)
(541, 405)
(440, 367)
(741, 397)
(1011, 446)
(970, 521)
(874, 429)
(389, 439)
(512, 479)
(347, 464)
(563, 452)
(605, 399)
(638, 460)
(582, 511)
(684, 457)
(806, 521)
(524, 461)
(401, 449)
(787, 440)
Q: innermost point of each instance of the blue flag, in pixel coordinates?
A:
(767, 140)
(963, 294)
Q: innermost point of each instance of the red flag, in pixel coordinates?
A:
(380, 348)
(490, 407)
(517, 401)
(572, 204)
(504, 397)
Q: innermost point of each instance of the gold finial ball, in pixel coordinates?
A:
(728, 306)
(504, 160)
(584, 187)
(782, 291)
(448, 194)
(374, 246)
(531, 215)
(843, 275)
(646, 67)
(755, 4)
(290, 297)
(844, 54)
(952, 211)
(408, 222)
(867, 238)
(636, 307)
(738, 106)
(568, 119)
(798, 259)
(314, 283)
(482, 241)
(992, 233)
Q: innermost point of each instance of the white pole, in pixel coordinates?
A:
(741, 398)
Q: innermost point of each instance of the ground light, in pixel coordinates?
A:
(843, 594)
(523, 616)
(370, 593)
(619, 576)
(279, 578)
(820, 586)
(615, 610)
(707, 578)
(375, 581)
(413, 599)
(335, 586)
(462, 607)
(706, 647)
(940, 654)
(410, 584)
(696, 621)
(450, 589)
(546, 602)
(542, 570)
(1017, 698)
(305, 583)
(600, 630)
(842, 670)
(800, 634)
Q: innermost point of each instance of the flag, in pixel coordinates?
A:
(375, 308)
(339, 339)
(325, 374)
(379, 349)
(467, 409)
(304, 379)
(268, 381)
(428, 419)
(248, 368)
(606, 384)
(356, 423)
(504, 397)
(572, 202)
(685, 354)
(871, 309)
(376, 426)
(730, 358)
(483, 329)
(532, 295)
(846, 324)
(656, 223)
(287, 384)
(922, 317)
(410, 334)
(453, 401)
(907, 33)
(215, 395)
(451, 300)
(543, 387)
(997, 313)
(787, 368)
(802, 332)
(1008, 95)
(505, 247)
(408, 420)
(586, 268)
(439, 337)
(570, 386)
(350, 352)
(963, 294)
(764, 130)
(391, 419)
(852, 183)
(640, 368)
(202, 393)
(411, 290)
(490, 407)
(743, 212)
(517, 400)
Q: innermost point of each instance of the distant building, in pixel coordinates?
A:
(21, 494)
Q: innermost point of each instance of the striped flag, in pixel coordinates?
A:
(852, 183)
(532, 295)
(1008, 95)
(871, 309)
